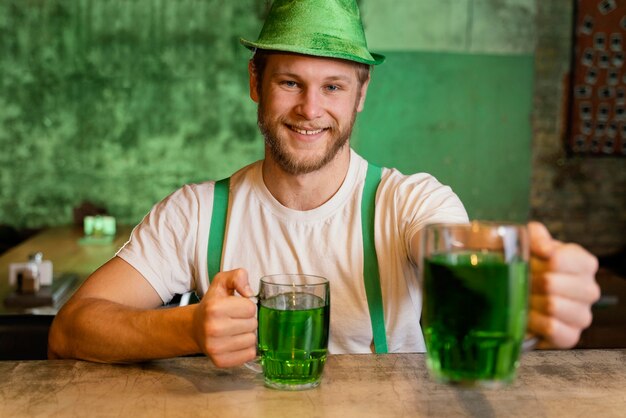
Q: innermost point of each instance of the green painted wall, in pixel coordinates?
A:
(464, 118)
(454, 98)
(119, 102)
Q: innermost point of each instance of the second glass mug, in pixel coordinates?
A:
(476, 285)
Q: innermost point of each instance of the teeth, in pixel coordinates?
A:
(305, 132)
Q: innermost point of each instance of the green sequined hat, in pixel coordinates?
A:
(323, 28)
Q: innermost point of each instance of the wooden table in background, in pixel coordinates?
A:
(24, 331)
(573, 383)
(61, 246)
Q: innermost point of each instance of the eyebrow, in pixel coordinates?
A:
(333, 78)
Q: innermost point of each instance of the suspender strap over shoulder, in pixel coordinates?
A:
(218, 227)
(371, 274)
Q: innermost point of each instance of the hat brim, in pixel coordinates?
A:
(369, 58)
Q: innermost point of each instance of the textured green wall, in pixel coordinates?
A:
(119, 102)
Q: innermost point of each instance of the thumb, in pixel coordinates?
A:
(225, 283)
(541, 242)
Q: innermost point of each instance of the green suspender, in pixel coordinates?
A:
(218, 227)
(371, 274)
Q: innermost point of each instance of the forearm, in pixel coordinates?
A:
(104, 331)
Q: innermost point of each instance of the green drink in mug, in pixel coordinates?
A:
(294, 317)
(476, 288)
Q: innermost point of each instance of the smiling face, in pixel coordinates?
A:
(307, 107)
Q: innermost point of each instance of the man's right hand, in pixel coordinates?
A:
(224, 325)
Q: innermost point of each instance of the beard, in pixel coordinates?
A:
(289, 162)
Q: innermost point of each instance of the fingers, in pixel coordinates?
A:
(233, 351)
(225, 324)
(575, 287)
(552, 332)
(567, 311)
(220, 317)
(556, 256)
(234, 307)
(219, 346)
(563, 289)
(234, 358)
(569, 273)
(572, 258)
(227, 282)
(227, 327)
(541, 242)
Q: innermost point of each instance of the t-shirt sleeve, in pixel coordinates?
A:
(418, 200)
(163, 247)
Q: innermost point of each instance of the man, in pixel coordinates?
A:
(298, 210)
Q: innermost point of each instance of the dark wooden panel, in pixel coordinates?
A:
(598, 96)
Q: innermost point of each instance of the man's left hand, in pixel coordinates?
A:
(562, 291)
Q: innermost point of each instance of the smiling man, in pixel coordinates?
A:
(304, 208)
(315, 98)
(307, 107)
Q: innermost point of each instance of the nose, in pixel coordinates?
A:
(310, 105)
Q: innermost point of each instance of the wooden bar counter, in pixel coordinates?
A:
(571, 383)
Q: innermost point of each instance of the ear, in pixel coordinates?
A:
(363, 92)
(254, 95)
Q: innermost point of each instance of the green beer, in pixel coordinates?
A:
(474, 315)
(293, 339)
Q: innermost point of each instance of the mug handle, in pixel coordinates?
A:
(530, 342)
(255, 365)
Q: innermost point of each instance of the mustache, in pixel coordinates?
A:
(306, 125)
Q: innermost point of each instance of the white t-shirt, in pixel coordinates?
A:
(169, 247)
